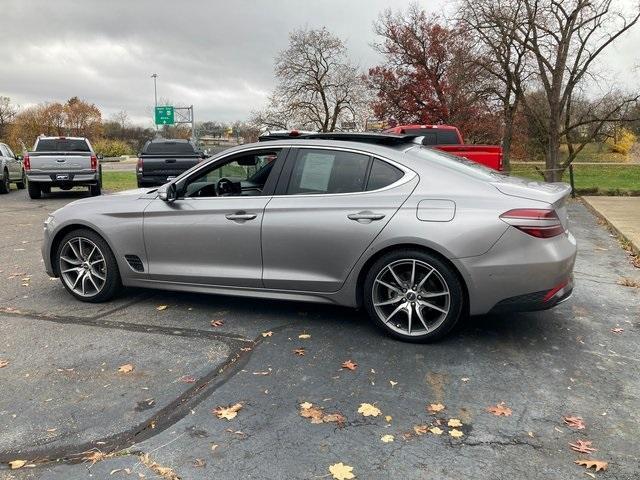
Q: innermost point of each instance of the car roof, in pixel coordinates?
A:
(169, 140)
(59, 137)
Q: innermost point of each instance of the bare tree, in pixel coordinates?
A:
(122, 117)
(565, 37)
(317, 84)
(7, 114)
(499, 28)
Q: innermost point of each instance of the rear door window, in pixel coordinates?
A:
(318, 171)
(170, 148)
(62, 145)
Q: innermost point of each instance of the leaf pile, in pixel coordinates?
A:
(317, 415)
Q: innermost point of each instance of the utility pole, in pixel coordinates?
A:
(155, 95)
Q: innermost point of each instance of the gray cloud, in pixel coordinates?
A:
(215, 55)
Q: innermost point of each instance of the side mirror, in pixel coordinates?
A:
(170, 194)
(19, 157)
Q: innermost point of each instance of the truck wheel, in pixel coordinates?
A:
(21, 184)
(5, 184)
(34, 190)
(95, 190)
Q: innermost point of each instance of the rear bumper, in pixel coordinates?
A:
(64, 178)
(519, 271)
(152, 180)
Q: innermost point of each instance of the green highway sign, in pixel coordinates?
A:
(164, 115)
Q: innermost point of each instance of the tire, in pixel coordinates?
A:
(5, 184)
(95, 288)
(34, 190)
(440, 296)
(22, 183)
(95, 190)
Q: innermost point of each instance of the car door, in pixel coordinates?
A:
(210, 237)
(15, 168)
(327, 210)
(5, 160)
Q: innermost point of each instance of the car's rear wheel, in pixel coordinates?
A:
(413, 295)
(5, 184)
(95, 190)
(34, 190)
(87, 266)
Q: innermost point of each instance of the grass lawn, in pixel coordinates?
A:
(594, 179)
(115, 181)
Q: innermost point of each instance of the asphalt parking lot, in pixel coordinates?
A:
(69, 413)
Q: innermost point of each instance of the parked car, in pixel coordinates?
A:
(449, 139)
(417, 237)
(162, 160)
(63, 162)
(10, 169)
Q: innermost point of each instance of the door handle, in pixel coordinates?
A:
(365, 216)
(241, 216)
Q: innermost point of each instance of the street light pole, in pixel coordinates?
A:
(155, 94)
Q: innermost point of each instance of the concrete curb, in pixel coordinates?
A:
(634, 248)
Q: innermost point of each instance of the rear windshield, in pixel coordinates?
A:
(62, 145)
(169, 148)
(460, 164)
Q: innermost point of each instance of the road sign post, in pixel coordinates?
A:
(165, 115)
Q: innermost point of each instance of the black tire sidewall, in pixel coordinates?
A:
(5, 185)
(113, 283)
(34, 190)
(456, 289)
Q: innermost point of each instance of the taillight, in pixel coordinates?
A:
(139, 165)
(94, 162)
(26, 162)
(537, 222)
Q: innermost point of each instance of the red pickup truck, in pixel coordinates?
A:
(448, 139)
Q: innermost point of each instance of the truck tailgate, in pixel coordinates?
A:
(167, 166)
(59, 162)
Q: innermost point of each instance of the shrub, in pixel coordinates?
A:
(626, 140)
(112, 148)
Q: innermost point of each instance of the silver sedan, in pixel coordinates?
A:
(416, 237)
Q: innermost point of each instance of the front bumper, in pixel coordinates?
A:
(46, 247)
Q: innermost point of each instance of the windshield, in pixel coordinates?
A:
(169, 148)
(62, 145)
(462, 165)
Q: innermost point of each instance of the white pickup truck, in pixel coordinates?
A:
(63, 162)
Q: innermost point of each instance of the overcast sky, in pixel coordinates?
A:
(217, 55)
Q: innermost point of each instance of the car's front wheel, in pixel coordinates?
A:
(413, 295)
(87, 266)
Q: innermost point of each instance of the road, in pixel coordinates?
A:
(65, 404)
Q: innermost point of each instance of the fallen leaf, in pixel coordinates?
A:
(304, 336)
(334, 418)
(597, 464)
(628, 282)
(217, 323)
(454, 422)
(340, 471)
(393, 384)
(582, 446)
(314, 414)
(126, 368)
(188, 379)
(500, 409)
(3, 363)
(574, 422)
(387, 438)
(214, 446)
(436, 430)
(349, 365)
(421, 429)
(435, 407)
(388, 418)
(15, 464)
(267, 334)
(465, 379)
(368, 410)
(299, 351)
(305, 405)
(228, 413)
(617, 330)
(455, 433)
(162, 307)
(199, 462)
(115, 471)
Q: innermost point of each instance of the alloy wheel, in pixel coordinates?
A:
(83, 267)
(411, 297)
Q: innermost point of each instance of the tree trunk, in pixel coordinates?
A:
(552, 163)
(507, 139)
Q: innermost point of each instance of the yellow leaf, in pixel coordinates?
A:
(435, 407)
(304, 336)
(306, 405)
(436, 430)
(387, 438)
(126, 368)
(228, 413)
(340, 471)
(454, 422)
(455, 433)
(15, 464)
(3, 363)
(388, 418)
(368, 410)
(161, 307)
